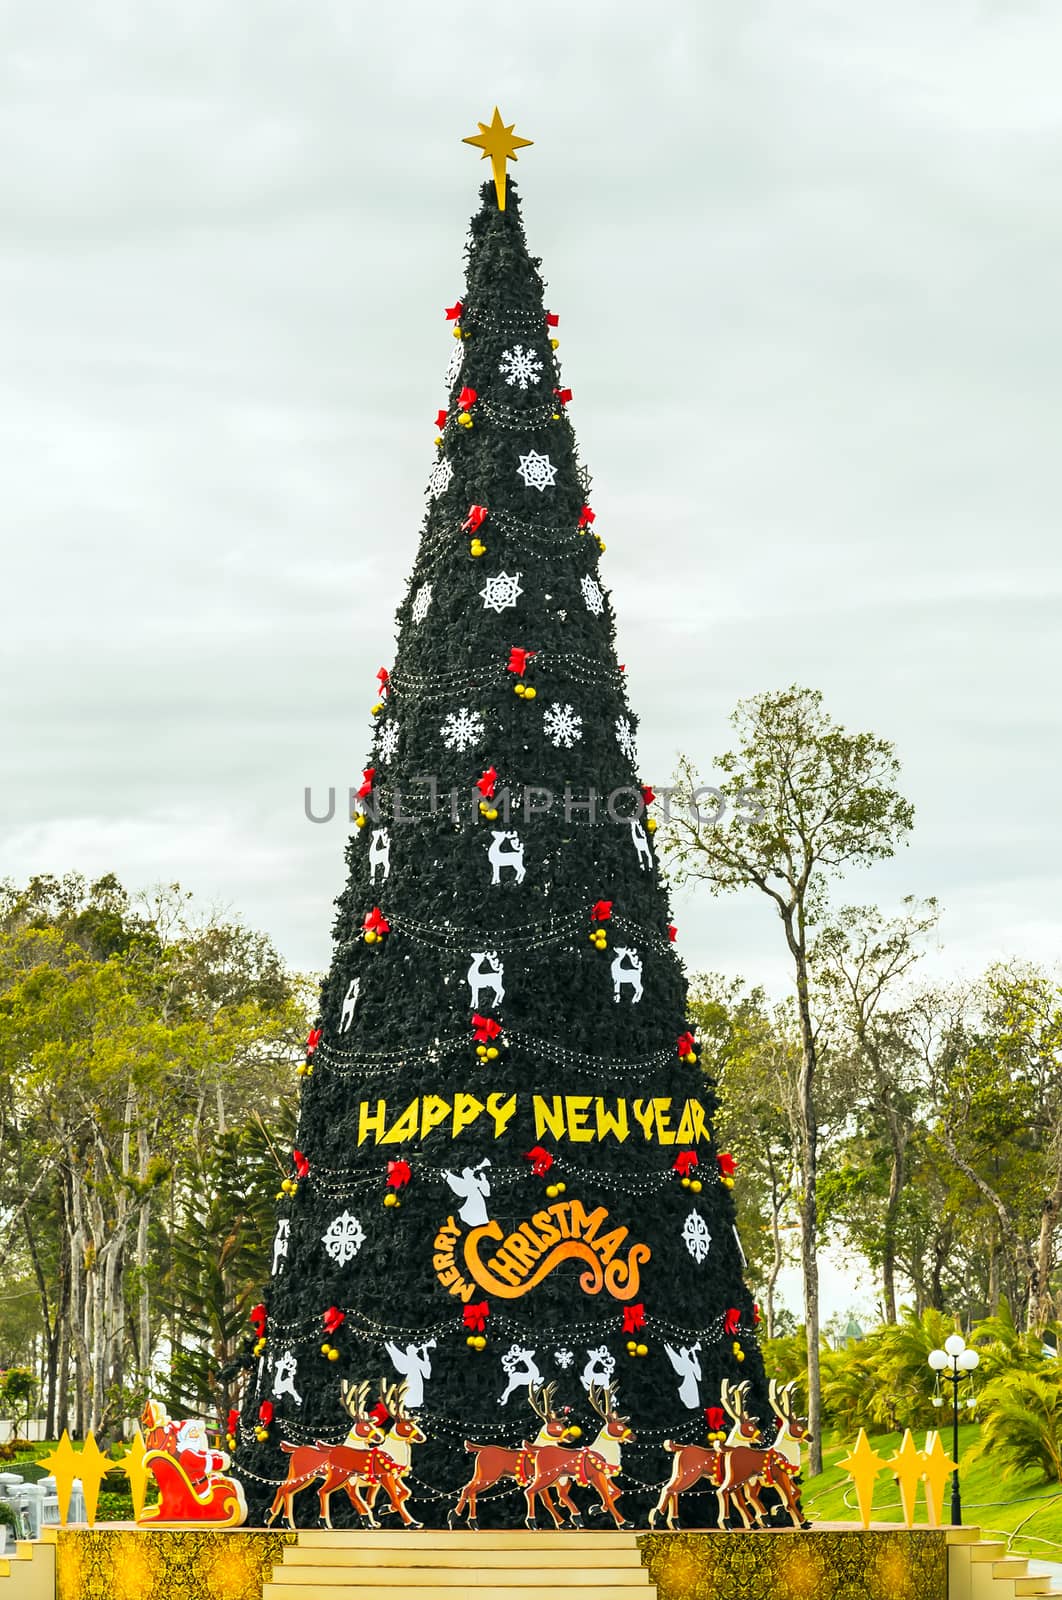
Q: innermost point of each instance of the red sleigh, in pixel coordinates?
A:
(192, 1484)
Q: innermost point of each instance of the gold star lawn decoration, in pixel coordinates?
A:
(497, 140)
(937, 1468)
(132, 1464)
(907, 1464)
(89, 1464)
(863, 1465)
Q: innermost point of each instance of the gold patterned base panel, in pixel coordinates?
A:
(127, 1563)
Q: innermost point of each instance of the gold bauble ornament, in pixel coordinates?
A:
(650, 824)
(390, 1199)
(696, 1185)
(492, 1052)
(643, 1349)
(530, 693)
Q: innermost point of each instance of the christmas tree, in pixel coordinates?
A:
(506, 1209)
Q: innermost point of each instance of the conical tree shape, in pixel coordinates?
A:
(564, 1218)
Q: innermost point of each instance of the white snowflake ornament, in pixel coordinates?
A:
(520, 366)
(421, 602)
(387, 741)
(456, 362)
(595, 600)
(563, 726)
(564, 1358)
(625, 738)
(695, 1236)
(439, 477)
(343, 1238)
(538, 472)
(501, 591)
(462, 729)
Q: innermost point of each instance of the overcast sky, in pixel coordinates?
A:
(806, 258)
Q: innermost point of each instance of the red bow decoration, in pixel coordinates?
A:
(313, 1039)
(672, 932)
(333, 1318)
(730, 1322)
(376, 922)
(686, 1042)
(477, 516)
(302, 1166)
(367, 775)
(552, 319)
(601, 911)
(755, 1316)
(518, 659)
(380, 1414)
(647, 794)
(440, 420)
(265, 1412)
(563, 396)
(466, 398)
(258, 1316)
(383, 678)
(475, 1317)
(234, 1420)
(714, 1417)
(453, 312)
(485, 783)
(398, 1173)
(633, 1318)
(684, 1162)
(540, 1160)
(485, 1028)
(726, 1163)
(586, 517)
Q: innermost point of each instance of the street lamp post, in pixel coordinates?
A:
(956, 1362)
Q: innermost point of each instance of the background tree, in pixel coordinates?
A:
(802, 798)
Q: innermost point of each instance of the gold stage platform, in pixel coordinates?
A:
(830, 1562)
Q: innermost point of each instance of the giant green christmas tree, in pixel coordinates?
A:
(505, 1176)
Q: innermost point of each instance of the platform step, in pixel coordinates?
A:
(1010, 1567)
(463, 1539)
(1031, 1584)
(333, 1590)
(450, 1578)
(988, 1550)
(395, 1556)
(963, 1535)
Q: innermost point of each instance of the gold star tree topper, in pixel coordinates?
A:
(497, 140)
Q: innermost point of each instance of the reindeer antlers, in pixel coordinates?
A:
(604, 1399)
(353, 1397)
(540, 1399)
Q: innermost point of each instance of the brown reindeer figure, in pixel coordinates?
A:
(793, 1433)
(312, 1461)
(495, 1462)
(746, 1470)
(402, 1434)
(351, 1466)
(594, 1465)
(694, 1461)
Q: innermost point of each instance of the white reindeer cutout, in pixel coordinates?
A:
(414, 1365)
(379, 853)
(506, 850)
(350, 1000)
(688, 1368)
(627, 969)
(473, 1188)
(481, 979)
(521, 1369)
(640, 843)
(600, 1366)
(284, 1378)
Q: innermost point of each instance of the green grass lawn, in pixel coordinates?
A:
(1022, 1509)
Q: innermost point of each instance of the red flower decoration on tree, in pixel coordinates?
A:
(730, 1322)
(302, 1166)
(233, 1421)
(440, 420)
(486, 783)
(540, 1160)
(601, 910)
(383, 678)
(265, 1413)
(686, 1042)
(715, 1417)
(376, 922)
(477, 516)
(684, 1162)
(485, 1029)
(672, 932)
(453, 312)
(586, 517)
(475, 1317)
(398, 1173)
(333, 1318)
(563, 396)
(552, 319)
(380, 1414)
(258, 1316)
(466, 398)
(726, 1164)
(518, 659)
(633, 1318)
(313, 1039)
